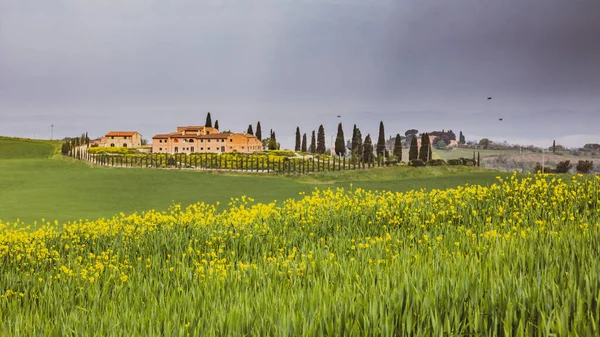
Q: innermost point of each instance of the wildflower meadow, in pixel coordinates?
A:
(520, 257)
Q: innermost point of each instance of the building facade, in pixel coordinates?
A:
(129, 139)
(200, 139)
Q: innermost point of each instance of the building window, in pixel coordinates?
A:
(231, 140)
(222, 148)
(201, 140)
(160, 149)
(231, 147)
(242, 147)
(208, 132)
(191, 140)
(112, 137)
(209, 140)
(201, 149)
(192, 149)
(222, 140)
(124, 145)
(208, 149)
(176, 149)
(112, 145)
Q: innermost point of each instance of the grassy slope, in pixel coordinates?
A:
(468, 153)
(63, 189)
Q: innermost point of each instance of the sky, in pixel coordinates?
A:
(152, 65)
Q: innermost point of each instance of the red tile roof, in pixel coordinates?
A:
(121, 133)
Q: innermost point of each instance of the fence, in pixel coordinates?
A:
(228, 162)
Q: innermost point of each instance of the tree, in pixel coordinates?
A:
(440, 145)
(553, 146)
(273, 141)
(258, 133)
(313, 143)
(250, 131)
(564, 166)
(478, 159)
(413, 153)
(368, 150)
(321, 140)
(461, 139)
(144, 141)
(304, 143)
(584, 166)
(425, 151)
(354, 139)
(485, 143)
(381, 141)
(340, 144)
(208, 123)
(297, 145)
(398, 147)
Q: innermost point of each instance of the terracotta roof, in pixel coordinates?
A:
(214, 136)
(161, 136)
(121, 133)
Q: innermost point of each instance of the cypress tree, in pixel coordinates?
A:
(423, 149)
(553, 146)
(258, 133)
(398, 147)
(297, 146)
(304, 143)
(478, 159)
(461, 139)
(368, 149)
(359, 145)
(321, 140)
(354, 138)
(381, 140)
(217, 124)
(273, 141)
(340, 144)
(250, 131)
(413, 153)
(208, 123)
(313, 142)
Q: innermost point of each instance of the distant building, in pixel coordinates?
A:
(129, 139)
(201, 139)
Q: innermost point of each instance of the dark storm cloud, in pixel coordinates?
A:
(415, 64)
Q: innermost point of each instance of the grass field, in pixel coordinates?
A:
(518, 258)
(35, 185)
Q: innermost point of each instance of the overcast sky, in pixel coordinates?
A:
(151, 65)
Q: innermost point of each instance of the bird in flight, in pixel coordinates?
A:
(339, 116)
(500, 119)
(489, 98)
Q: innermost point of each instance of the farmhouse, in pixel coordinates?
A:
(120, 139)
(200, 139)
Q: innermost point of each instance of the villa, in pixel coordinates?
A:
(201, 139)
(129, 139)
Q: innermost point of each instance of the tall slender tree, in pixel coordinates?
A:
(217, 124)
(398, 147)
(208, 123)
(313, 142)
(304, 143)
(381, 140)
(340, 143)
(358, 153)
(321, 140)
(354, 138)
(413, 153)
(258, 133)
(368, 149)
(461, 139)
(553, 146)
(425, 151)
(297, 146)
(273, 141)
(250, 131)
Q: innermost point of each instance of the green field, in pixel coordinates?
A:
(35, 185)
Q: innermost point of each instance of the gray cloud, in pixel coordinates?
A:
(150, 65)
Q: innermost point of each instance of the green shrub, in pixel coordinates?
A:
(416, 163)
(436, 162)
